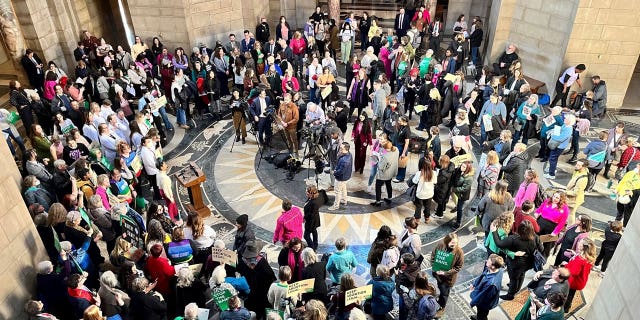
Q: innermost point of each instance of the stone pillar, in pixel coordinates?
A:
(605, 38)
(20, 246)
(455, 9)
(334, 10)
(432, 4)
(499, 28)
(617, 294)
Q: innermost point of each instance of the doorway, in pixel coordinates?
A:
(632, 98)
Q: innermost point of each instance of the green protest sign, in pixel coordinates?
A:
(442, 261)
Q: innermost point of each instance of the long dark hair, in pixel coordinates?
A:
(525, 230)
(383, 233)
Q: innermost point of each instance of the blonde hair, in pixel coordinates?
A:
(588, 250)
(492, 157)
(505, 221)
(315, 310)
(499, 192)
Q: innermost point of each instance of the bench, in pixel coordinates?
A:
(534, 84)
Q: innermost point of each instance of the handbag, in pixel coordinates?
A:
(539, 260)
(624, 199)
(402, 162)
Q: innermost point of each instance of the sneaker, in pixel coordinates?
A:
(549, 177)
(439, 217)
(595, 268)
(387, 200)
(601, 274)
(376, 203)
(334, 208)
(396, 181)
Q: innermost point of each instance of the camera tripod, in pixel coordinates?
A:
(313, 150)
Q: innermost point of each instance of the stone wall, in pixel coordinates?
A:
(52, 27)
(541, 30)
(498, 28)
(190, 22)
(20, 246)
(606, 38)
(618, 291)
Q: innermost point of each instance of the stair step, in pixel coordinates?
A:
(9, 76)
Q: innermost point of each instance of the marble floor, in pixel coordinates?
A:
(237, 185)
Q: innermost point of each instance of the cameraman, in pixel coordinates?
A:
(289, 117)
(259, 112)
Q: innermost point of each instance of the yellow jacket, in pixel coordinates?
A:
(576, 187)
(630, 181)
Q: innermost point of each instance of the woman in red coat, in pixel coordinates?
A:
(579, 266)
(361, 135)
(159, 269)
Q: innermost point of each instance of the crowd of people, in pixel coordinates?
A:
(96, 137)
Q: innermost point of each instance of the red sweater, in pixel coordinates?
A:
(159, 268)
(579, 268)
(518, 217)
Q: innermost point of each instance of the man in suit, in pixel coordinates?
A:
(247, 44)
(80, 53)
(402, 23)
(272, 47)
(262, 31)
(233, 43)
(258, 112)
(33, 66)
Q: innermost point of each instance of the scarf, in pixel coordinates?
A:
(291, 259)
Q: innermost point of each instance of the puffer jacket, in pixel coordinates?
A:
(382, 300)
(443, 183)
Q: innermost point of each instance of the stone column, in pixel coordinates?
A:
(334, 10)
(432, 4)
(20, 245)
(617, 294)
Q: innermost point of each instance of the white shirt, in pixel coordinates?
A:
(573, 76)
(148, 158)
(312, 72)
(205, 240)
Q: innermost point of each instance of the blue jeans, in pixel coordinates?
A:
(553, 160)
(181, 116)
(165, 118)
(401, 171)
(372, 176)
(459, 207)
(17, 139)
(312, 95)
(475, 57)
(483, 133)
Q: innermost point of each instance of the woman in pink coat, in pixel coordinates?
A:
(528, 188)
(384, 57)
(289, 224)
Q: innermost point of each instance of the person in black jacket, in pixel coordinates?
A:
(253, 265)
(505, 60)
(523, 244)
(314, 269)
(442, 189)
(188, 290)
(515, 166)
(145, 303)
(33, 66)
(475, 41)
(312, 216)
(262, 31)
(363, 26)
(243, 234)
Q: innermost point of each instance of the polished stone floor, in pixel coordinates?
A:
(236, 185)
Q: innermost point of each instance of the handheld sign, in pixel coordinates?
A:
(225, 256)
(302, 286)
(442, 261)
(358, 294)
(131, 231)
(221, 298)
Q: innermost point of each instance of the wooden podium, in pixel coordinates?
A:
(191, 177)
